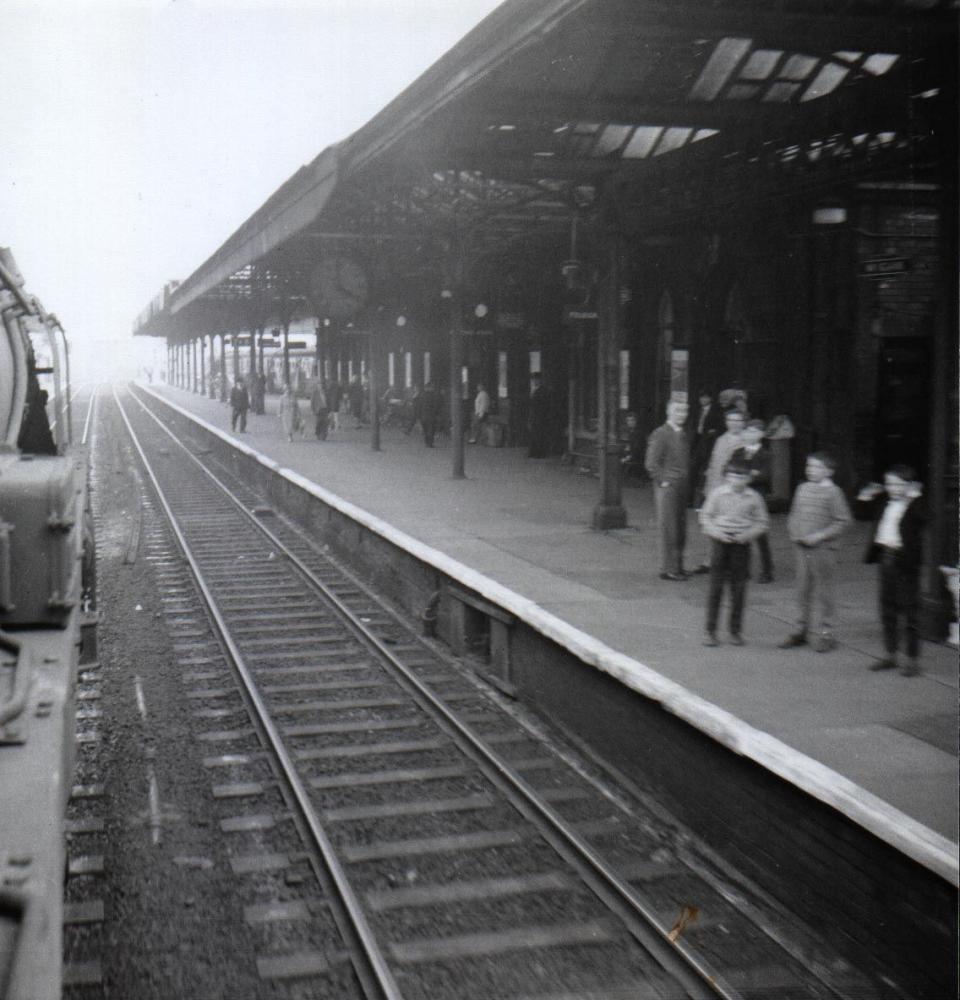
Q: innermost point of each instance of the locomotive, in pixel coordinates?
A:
(47, 622)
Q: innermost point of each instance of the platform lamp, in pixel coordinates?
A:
(829, 212)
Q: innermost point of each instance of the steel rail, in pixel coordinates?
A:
(86, 423)
(382, 977)
(671, 953)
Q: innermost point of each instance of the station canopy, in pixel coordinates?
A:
(648, 113)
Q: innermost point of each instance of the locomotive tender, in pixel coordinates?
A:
(46, 623)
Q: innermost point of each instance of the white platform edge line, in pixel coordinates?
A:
(907, 835)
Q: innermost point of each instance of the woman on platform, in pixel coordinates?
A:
(289, 412)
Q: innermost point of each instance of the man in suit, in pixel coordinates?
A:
(896, 545)
(668, 464)
(707, 427)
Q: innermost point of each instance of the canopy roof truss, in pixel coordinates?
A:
(648, 110)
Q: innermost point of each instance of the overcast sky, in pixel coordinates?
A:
(136, 135)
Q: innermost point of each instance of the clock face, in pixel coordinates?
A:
(339, 286)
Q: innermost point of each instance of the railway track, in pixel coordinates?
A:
(402, 833)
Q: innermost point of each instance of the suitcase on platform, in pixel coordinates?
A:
(41, 507)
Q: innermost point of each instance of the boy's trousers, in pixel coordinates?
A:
(729, 562)
(816, 580)
(899, 595)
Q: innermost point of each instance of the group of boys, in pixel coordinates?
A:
(734, 514)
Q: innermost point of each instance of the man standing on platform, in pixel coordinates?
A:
(318, 405)
(429, 405)
(239, 404)
(481, 410)
(668, 464)
(709, 426)
(537, 418)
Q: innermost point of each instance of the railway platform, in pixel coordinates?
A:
(876, 741)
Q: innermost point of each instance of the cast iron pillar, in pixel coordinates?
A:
(453, 293)
(212, 383)
(223, 367)
(609, 512)
(373, 358)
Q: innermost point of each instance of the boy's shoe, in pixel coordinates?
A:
(825, 643)
(700, 570)
(792, 641)
(736, 639)
(910, 669)
(710, 639)
(887, 663)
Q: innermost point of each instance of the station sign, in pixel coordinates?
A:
(884, 267)
(571, 315)
(297, 345)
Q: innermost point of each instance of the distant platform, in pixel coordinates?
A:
(879, 747)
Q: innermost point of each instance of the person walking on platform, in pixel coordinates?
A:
(260, 393)
(539, 418)
(318, 406)
(239, 404)
(334, 393)
(355, 393)
(896, 546)
(755, 455)
(731, 517)
(289, 412)
(429, 406)
(818, 516)
(481, 410)
(668, 465)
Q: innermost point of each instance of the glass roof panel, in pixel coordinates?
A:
(704, 133)
(673, 138)
(743, 91)
(879, 63)
(830, 77)
(798, 67)
(642, 141)
(611, 139)
(761, 64)
(723, 61)
(781, 91)
(850, 57)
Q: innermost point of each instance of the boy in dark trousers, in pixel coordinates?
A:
(896, 545)
(732, 516)
(818, 516)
